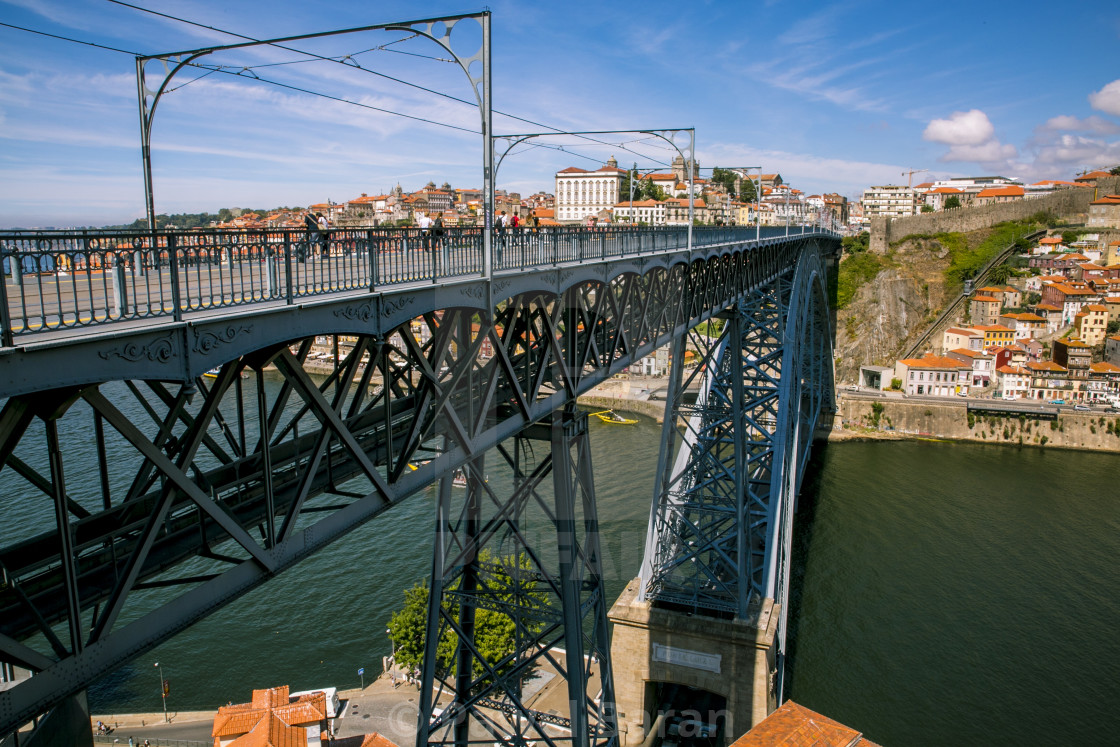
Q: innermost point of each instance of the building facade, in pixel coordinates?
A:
(583, 194)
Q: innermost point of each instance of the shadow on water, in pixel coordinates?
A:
(803, 523)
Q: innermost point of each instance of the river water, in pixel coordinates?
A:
(943, 594)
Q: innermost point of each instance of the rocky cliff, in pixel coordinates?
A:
(897, 305)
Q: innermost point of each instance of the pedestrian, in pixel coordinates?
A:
(500, 227)
(130, 742)
(425, 225)
(437, 232)
(324, 227)
(312, 226)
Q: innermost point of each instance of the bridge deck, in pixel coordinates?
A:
(59, 281)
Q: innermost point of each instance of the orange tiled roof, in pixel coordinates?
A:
(969, 353)
(985, 299)
(258, 719)
(794, 725)
(1107, 200)
(993, 328)
(1104, 367)
(933, 361)
(1001, 192)
(959, 331)
(1050, 240)
(1092, 175)
(1045, 366)
(1012, 370)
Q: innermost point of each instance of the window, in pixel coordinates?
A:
(920, 387)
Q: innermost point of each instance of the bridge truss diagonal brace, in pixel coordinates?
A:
(532, 558)
(720, 524)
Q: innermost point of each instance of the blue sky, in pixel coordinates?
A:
(835, 97)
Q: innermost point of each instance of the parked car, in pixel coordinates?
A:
(1082, 408)
(1057, 401)
(853, 388)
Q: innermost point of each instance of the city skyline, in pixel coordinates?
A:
(835, 100)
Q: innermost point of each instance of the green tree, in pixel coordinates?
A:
(624, 186)
(495, 631)
(952, 201)
(747, 191)
(856, 244)
(651, 191)
(1115, 171)
(1113, 327)
(927, 208)
(725, 178)
(999, 275)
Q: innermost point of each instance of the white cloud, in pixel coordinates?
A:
(1094, 123)
(1107, 99)
(972, 138)
(1070, 152)
(961, 128)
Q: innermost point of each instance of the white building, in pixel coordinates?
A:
(889, 201)
(647, 212)
(581, 194)
(1014, 382)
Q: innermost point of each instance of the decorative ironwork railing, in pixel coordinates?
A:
(56, 280)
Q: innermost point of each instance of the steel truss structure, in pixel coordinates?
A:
(158, 500)
(721, 520)
(533, 558)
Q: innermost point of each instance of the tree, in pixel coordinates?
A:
(1113, 327)
(856, 244)
(651, 191)
(896, 384)
(927, 208)
(725, 178)
(747, 191)
(999, 275)
(495, 632)
(624, 186)
(1115, 171)
(952, 201)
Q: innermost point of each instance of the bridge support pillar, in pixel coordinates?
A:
(733, 659)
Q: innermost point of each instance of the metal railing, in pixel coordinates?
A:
(57, 280)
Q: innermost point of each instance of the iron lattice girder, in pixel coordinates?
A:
(208, 480)
(717, 509)
(547, 582)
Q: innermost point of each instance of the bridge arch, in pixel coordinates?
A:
(213, 472)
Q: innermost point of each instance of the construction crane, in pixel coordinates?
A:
(910, 176)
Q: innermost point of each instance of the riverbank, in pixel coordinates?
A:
(858, 418)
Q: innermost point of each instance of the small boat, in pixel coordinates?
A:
(612, 417)
(212, 373)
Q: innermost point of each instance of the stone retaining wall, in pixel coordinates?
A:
(1064, 202)
(912, 419)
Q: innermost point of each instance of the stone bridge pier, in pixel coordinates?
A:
(733, 659)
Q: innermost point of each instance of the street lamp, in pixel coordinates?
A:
(162, 691)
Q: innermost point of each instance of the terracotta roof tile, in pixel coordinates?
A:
(794, 725)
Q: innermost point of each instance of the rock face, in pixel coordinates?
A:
(893, 308)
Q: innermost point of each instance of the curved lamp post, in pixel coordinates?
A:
(429, 28)
(669, 136)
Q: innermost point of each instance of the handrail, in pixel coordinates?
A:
(59, 280)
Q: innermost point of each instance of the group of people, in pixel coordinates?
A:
(317, 232)
(431, 231)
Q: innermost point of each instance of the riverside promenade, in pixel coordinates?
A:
(388, 709)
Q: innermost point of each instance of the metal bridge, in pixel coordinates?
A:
(183, 365)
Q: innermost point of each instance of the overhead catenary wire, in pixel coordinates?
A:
(211, 69)
(372, 72)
